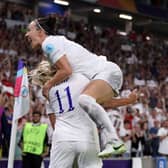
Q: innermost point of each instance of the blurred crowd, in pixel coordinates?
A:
(141, 56)
(20, 12)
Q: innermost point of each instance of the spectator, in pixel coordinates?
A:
(147, 143)
(163, 139)
(126, 135)
(154, 138)
(6, 129)
(34, 142)
(3, 24)
(137, 141)
(1, 113)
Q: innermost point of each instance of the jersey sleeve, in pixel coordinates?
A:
(49, 109)
(53, 49)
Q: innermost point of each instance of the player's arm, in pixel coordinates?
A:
(52, 118)
(64, 70)
(51, 114)
(116, 102)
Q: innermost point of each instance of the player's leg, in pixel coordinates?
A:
(101, 89)
(87, 101)
(62, 155)
(88, 155)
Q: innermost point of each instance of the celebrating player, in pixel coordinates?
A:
(69, 58)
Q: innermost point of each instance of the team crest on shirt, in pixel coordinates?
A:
(49, 48)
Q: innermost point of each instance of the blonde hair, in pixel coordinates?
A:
(42, 73)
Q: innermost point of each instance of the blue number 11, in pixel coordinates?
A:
(67, 90)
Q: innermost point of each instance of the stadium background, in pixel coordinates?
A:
(139, 46)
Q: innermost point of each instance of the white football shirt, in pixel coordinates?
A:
(72, 123)
(81, 60)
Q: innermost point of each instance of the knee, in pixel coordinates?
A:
(85, 100)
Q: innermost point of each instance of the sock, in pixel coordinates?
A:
(98, 115)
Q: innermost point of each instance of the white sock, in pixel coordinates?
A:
(98, 115)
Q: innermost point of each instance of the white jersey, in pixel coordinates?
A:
(81, 60)
(72, 123)
(163, 144)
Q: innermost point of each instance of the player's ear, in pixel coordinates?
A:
(41, 32)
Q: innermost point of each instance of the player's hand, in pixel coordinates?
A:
(133, 96)
(45, 90)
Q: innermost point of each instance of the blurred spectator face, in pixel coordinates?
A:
(156, 124)
(129, 110)
(34, 35)
(153, 113)
(127, 125)
(159, 104)
(166, 124)
(36, 118)
(145, 126)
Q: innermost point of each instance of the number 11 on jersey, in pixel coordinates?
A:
(69, 99)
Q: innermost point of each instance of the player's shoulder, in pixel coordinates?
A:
(78, 77)
(75, 78)
(52, 43)
(53, 39)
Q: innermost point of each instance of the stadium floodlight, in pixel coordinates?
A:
(124, 16)
(148, 38)
(121, 33)
(61, 2)
(96, 10)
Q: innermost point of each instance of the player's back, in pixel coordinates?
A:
(72, 123)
